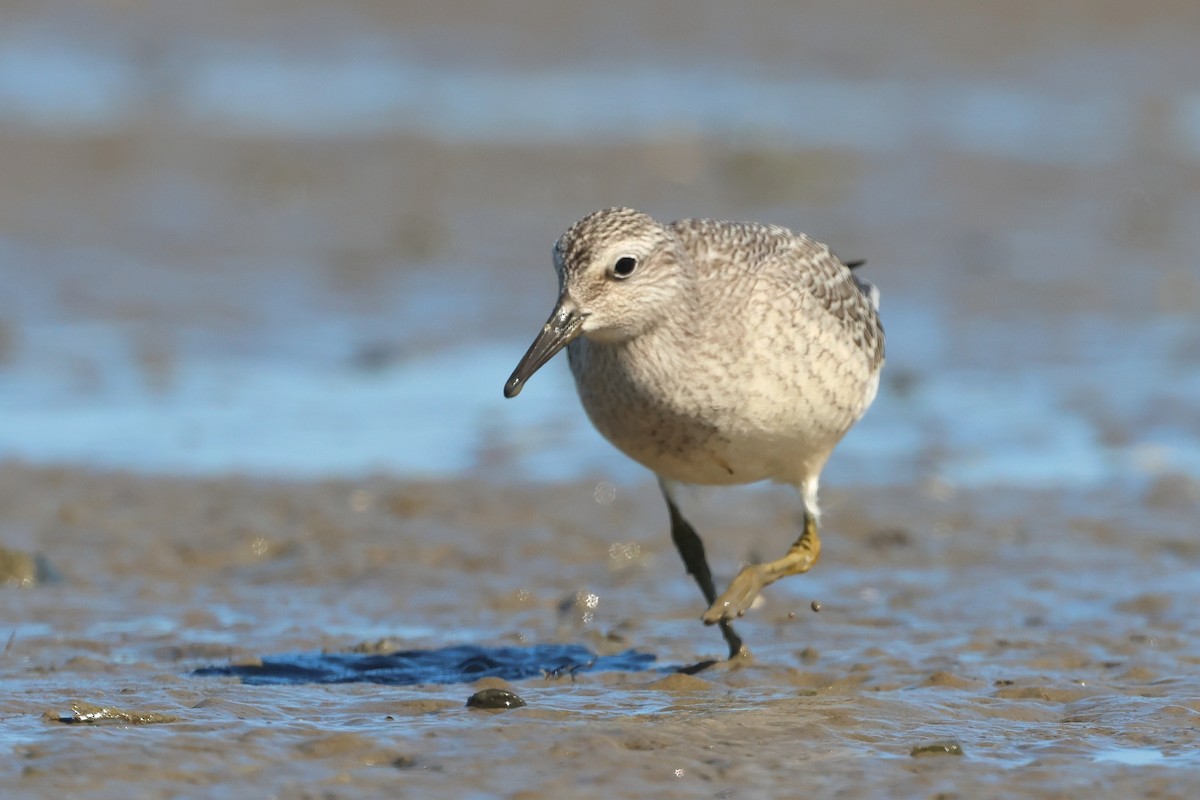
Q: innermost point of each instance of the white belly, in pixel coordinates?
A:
(750, 422)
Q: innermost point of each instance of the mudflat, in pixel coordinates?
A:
(267, 524)
(992, 643)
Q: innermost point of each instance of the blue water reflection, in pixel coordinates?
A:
(463, 663)
(442, 413)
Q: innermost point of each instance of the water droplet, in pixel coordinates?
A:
(620, 551)
(605, 493)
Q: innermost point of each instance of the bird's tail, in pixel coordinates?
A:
(866, 287)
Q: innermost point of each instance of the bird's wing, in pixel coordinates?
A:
(852, 301)
(795, 261)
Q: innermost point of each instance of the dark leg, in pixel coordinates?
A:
(691, 549)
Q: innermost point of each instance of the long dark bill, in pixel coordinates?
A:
(564, 325)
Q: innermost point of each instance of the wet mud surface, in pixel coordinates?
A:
(1040, 642)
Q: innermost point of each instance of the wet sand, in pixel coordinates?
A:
(1050, 637)
(264, 514)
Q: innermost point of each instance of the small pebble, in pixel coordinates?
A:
(17, 568)
(937, 749)
(92, 714)
(816, 606)
(494, 699)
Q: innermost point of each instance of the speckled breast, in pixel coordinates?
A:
(740, 426)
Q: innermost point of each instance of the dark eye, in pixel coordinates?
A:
(624, 267)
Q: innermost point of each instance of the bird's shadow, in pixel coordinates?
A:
(455, 664)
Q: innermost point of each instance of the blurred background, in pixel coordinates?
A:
(300, 239)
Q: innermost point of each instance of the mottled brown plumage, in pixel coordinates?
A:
(714, 353)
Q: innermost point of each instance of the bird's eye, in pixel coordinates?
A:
(624, 267)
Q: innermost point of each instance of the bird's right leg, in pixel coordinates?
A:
(753, 578)
(691, 549)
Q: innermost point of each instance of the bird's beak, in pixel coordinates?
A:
(565, 323)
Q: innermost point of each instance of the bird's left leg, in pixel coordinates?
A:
(753, 578)
(691, 550)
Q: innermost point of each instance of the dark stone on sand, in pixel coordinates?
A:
(23, 570)
(500, 699)
(889, 538)
(937, 749)
(93, 714)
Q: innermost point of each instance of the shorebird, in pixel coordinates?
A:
(714, 353)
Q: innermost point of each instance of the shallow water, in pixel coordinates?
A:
(1012, 422)
(268, 265)
(457, 664)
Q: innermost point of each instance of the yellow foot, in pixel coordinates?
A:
(738, 598)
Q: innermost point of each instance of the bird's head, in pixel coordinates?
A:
(618, 269)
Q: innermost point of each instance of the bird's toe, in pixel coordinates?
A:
(738, 598)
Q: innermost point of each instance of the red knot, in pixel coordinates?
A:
(714, 353)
